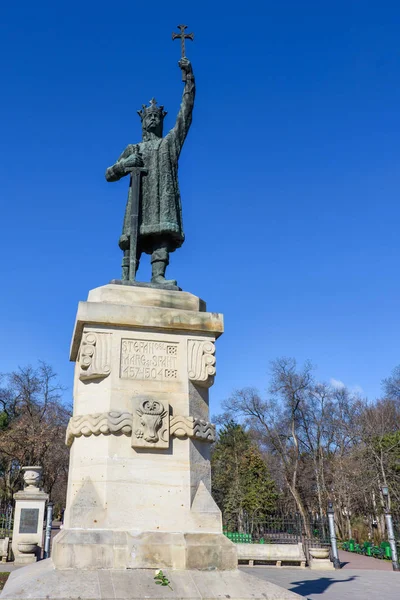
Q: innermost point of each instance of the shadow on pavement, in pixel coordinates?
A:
(316, 586)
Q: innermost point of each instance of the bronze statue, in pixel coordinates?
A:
(153, 215)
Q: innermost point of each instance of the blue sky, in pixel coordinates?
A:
(289, 176)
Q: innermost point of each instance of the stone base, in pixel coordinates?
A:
(43, 582)
(155, 286)
(321, 564)
(25, 559)
(101, 549)
(4, 548)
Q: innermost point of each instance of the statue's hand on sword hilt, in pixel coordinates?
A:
(133, 161)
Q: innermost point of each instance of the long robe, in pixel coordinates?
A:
(160, 210)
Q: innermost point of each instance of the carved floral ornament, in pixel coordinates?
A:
(150, 426)
(201, 362)
(95, 355)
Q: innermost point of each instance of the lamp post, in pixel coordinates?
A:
(49, 520)
(332, 533)
(389, 526)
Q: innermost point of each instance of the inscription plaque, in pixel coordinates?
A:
(152, 360)
(29, 520)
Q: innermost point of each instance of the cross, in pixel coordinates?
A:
(184, 36)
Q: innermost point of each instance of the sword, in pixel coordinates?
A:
(135, 185)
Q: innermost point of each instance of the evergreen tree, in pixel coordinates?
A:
(242, 486)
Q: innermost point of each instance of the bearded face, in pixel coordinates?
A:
(152, 123)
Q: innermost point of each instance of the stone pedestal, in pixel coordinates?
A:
(139, 479)
(4, 548)
(319, 559)
(321, 564)
(30, 503)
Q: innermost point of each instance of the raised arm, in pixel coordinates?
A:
(129, 158)
(184, 119)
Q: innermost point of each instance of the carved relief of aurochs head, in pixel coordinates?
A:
(151, 413)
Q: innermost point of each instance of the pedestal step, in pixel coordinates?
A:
(101, 549)
(44, 582)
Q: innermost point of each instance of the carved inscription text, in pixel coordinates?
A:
(29, 520)
(144, 359)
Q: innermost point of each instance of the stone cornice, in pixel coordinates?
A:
(145, 318)
(24, 495)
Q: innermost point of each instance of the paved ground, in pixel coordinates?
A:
(7, 567)
(360, 578)
(350, 560)
(334, 585)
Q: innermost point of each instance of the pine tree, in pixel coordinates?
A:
(242, 486)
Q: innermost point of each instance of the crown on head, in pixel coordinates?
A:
(150, 109)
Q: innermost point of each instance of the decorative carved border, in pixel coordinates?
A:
(201, 362)
(190, 427)
(116, 422)
(95, 355)
(121, 422)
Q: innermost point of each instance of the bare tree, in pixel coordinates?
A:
(315, 412)
(33, 423)
(380, 431)
(275, 422)
(341, 456)
(322, 442)
(391, 385)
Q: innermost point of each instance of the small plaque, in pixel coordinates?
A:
(29, 520)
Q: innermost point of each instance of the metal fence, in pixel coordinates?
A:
(275, 529)
(6, 519)
(286, 529)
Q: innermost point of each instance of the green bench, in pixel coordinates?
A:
(239, 538)
(368, 549)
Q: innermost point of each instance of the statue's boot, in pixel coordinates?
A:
(159, 263)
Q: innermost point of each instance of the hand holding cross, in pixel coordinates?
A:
(183, 36)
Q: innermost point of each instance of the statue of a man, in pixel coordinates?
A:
(160, 229)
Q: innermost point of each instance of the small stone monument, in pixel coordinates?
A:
(30, 503)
